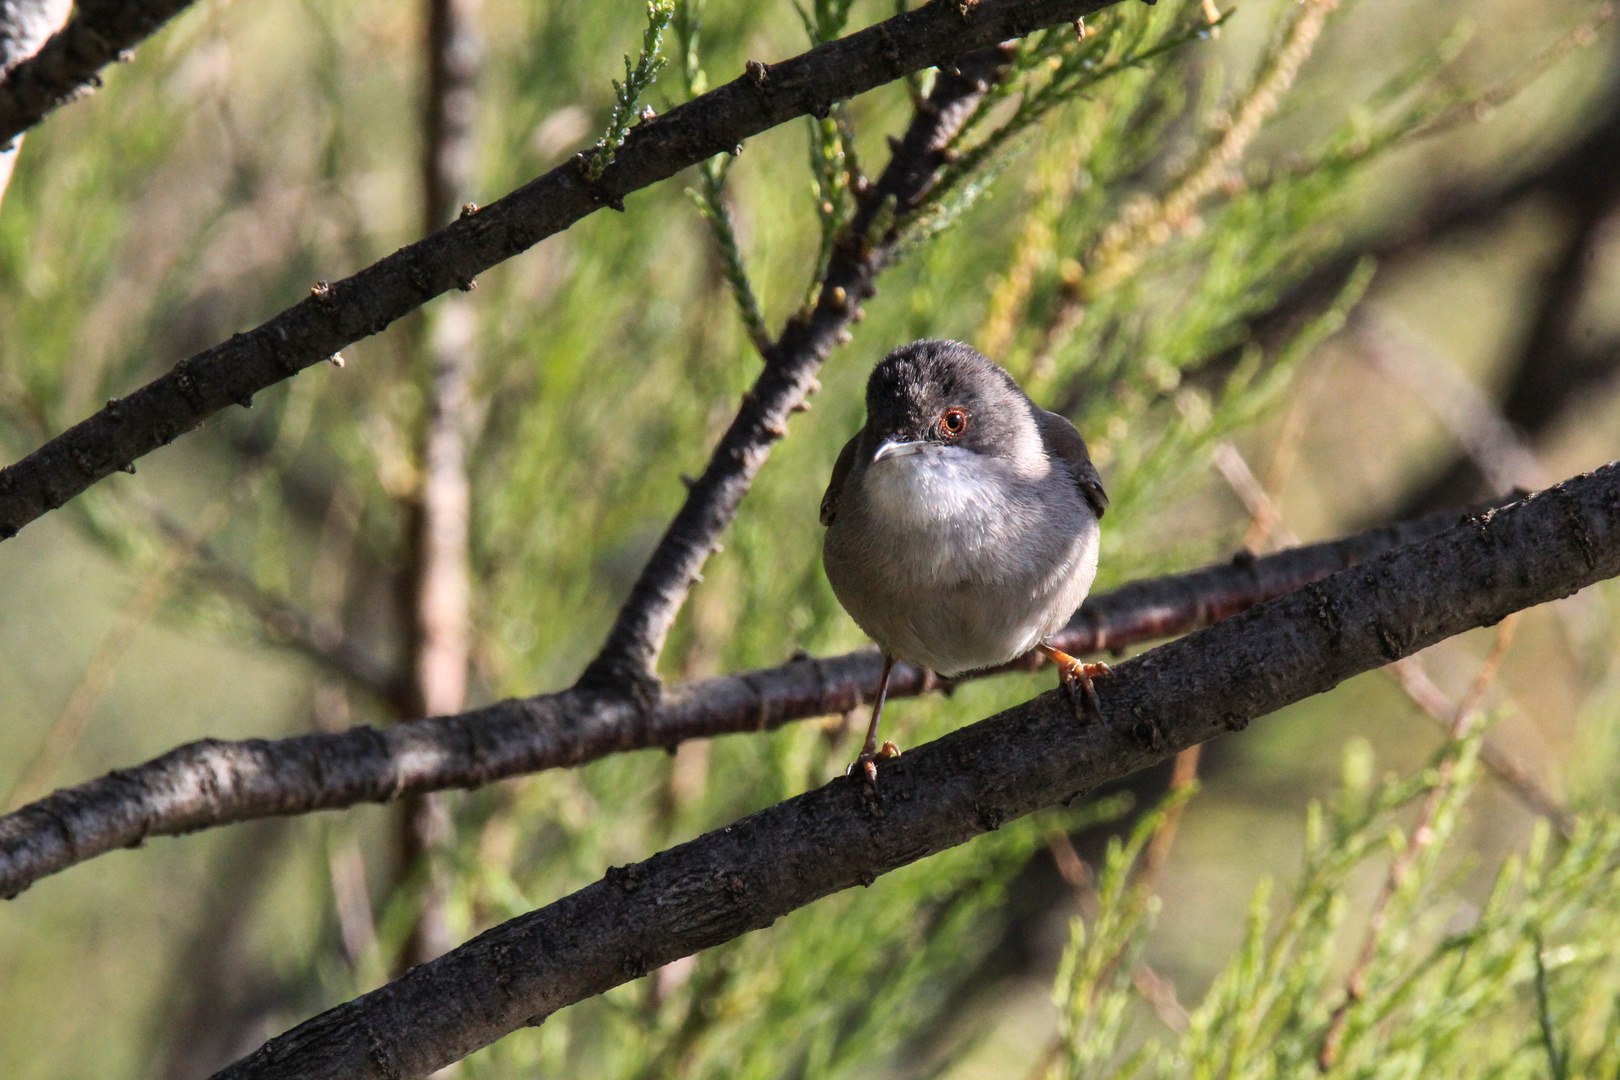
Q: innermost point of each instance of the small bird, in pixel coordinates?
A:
(962, 523)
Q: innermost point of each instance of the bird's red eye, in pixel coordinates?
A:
(953, 423)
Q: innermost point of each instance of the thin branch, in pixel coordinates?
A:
(748, 874)
(1551, 372)
(213, 782)
(1502, 765)
(1489, 441)
(1183, 774)
(68, 65)
(1265, 520)
(337, 315)
(629, 657)
(1409, 672)
(1147, 222)
(1077, 874)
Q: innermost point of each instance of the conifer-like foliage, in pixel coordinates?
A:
(1525, 984)
(1118, 223)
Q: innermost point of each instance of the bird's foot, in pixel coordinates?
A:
(1076, 677)
(868, 760)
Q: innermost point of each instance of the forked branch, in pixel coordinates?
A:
(629, 657)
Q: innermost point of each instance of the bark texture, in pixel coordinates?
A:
(24, 27)
(67, 66)
(338, 314)
(745, 876)
(213, 782)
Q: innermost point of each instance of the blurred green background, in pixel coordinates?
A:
(1468, 153)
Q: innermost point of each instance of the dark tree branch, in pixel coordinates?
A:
(336, 315)
(751, 873)
(210, 783)
(24, 27)
(67, 66)
(629, 657)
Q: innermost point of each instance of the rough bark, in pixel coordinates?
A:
(67, 66)
(338, 314)
(745, 876)
(212, 782)
(24, 27)
(629, 658)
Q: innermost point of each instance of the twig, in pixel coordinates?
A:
(1285, 454)
(211, 783)
(1422, 836)
(1434, 702)
(1409, 672)
(1183, 775)
(1490, 442)
(1265, 519)
(1155, 989)
(629, 658)
(745, 876)
(337, 315)
(285, 623)
(66, 66)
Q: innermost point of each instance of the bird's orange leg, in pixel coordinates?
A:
(870, 754)
(1076, 677)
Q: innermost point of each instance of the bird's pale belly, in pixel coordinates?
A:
(957, 630)
(992, 586)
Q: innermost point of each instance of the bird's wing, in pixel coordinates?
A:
(1064, 443)
(829, 500)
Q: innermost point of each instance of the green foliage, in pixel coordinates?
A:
(1525, 984)
(610, 358)
(638, 78)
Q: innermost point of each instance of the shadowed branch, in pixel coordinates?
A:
(67, 66)
(213, 782)
(25, 25)
(749, 874)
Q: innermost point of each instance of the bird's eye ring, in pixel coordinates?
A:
(953, 423)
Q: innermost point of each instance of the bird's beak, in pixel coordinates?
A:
(896, 448)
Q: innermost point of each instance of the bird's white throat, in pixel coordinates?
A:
(941, 488)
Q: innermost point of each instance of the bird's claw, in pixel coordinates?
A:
(1076, 677)
(868, 760)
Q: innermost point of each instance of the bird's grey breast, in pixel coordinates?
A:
(954, 560)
